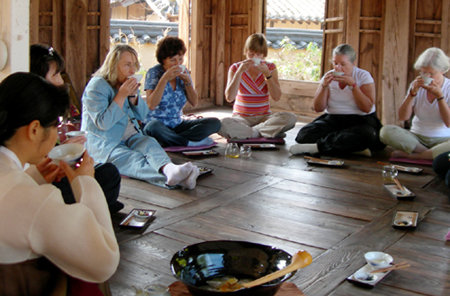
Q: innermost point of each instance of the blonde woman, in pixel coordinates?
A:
(250, 83)
(428, 98)
(112, 107)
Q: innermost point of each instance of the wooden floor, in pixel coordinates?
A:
(336, 214)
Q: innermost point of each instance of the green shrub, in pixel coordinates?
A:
(297, 64)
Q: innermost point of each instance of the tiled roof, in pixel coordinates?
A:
(296, 10)
(290, 10)
(150, 32)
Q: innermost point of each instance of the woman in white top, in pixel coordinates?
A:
(39, 233)
(428, 100)
(347, 95)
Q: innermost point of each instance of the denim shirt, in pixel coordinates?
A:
(104, 120)
(170, 108)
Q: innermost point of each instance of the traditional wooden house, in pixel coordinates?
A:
(271, 198)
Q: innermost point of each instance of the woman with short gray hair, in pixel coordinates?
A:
(349, 124)
(428, 100)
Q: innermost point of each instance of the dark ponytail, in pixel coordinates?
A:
(25, 97)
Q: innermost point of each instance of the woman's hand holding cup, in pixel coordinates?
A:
(86, 168)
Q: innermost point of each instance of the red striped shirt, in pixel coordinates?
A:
(253, 95)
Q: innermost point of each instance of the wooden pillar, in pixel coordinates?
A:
(183, 28)
(256, 17)
(105, 16)
(219, 22)
(395, 61)
(353, 24)
(76, 43)
(445, 32)
(197, 45)
(56, 27)
(34, 21)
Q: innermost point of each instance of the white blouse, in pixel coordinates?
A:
(35, 221)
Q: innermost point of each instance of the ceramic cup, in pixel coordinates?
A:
(337, 73)
(378, 259)
(257, 61)
(183, 68)
(138, 77)
(426, 79)
(70, 153)
(73, 134)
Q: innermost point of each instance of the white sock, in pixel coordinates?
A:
(304, 149)
(177, 173)
(255, 133)
(191, 180)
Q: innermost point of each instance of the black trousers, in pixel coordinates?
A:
(441, 165)
(108, 178)
(342, 134)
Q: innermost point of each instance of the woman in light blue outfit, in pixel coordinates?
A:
(168, 87)
(112, 107)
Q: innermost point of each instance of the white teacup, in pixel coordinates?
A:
(138, 77)
(337, 73)
(183, 68)
(426, 79)
(378, 259)
(70, 153)
(73, 134)
(257, 61)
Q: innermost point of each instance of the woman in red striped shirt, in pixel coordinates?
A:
(250, 84)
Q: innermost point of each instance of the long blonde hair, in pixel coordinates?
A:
(109, 68)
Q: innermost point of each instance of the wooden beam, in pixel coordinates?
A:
(353, 24)
(197, 45)
(105, 16)
(445, 32)
(57, 28)
(76, 43)
(34, 21)
(256, 14)
(221, 71)
(183, 28)
(395, 61)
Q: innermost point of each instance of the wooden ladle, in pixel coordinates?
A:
(299, 260)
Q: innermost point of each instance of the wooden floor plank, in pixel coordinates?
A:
(203, 229)
(278, 199)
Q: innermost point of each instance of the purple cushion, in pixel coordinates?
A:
(258, 141)
(410, 160)
(188, 148)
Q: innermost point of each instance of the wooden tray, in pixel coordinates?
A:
(325, 162)
(398, 194)
(377, 277)
(405, 219)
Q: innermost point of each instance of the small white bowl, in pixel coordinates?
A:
(138, 77)
(183, 68)
(427, 80)
(70, 153)
(337, 73)
(363, 276)
(257, 61)
(378, 259)
(73, 134)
